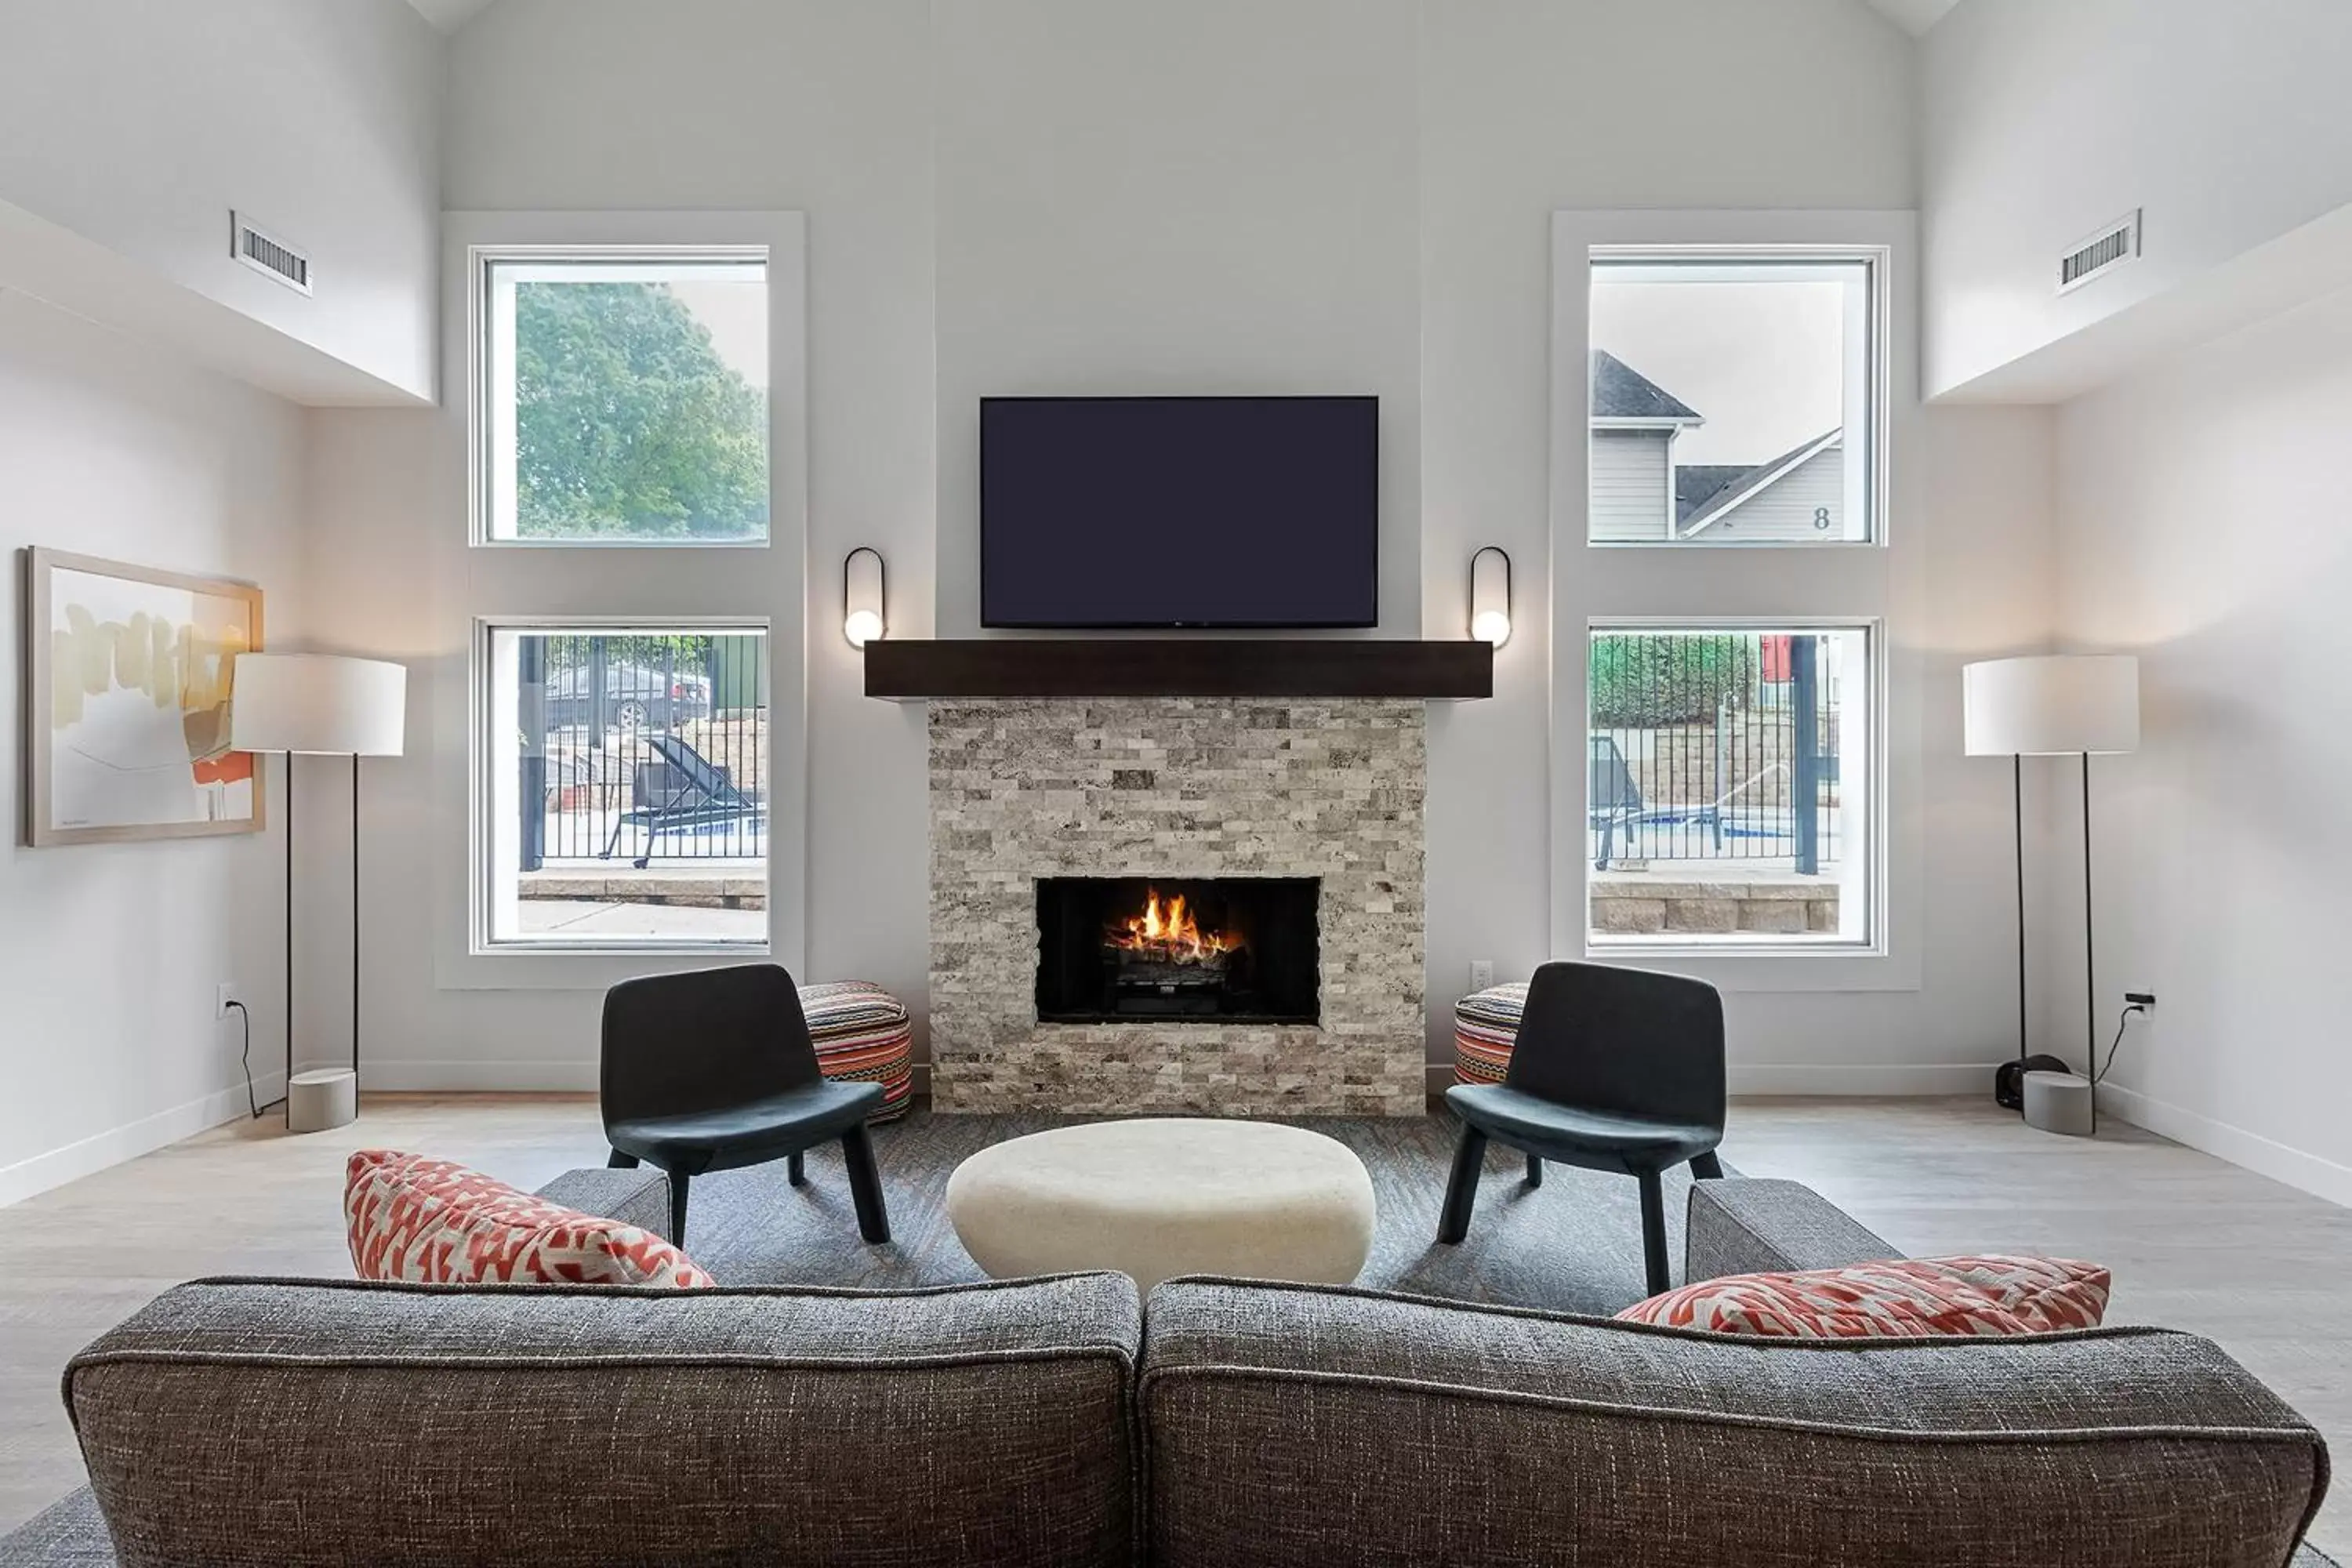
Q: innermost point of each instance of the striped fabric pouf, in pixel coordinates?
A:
(1486, 1024)
(862, 1035)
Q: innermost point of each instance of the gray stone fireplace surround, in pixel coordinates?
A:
(1177, 787)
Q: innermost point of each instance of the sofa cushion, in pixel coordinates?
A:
(1993, 1294)
(1319, 1425)
(401, 1425)
(436, 1222)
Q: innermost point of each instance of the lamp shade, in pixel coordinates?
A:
(2052, 703)
(317, 702)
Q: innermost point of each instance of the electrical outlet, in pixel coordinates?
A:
(2140, 999)
(222, 997)
(1482, 974)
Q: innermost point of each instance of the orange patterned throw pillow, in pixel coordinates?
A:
(438, 1223)
(1902, 1297)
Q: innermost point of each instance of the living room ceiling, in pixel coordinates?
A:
(450, 15)
(1913, 15)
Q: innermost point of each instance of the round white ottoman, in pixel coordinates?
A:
(1162, 1197)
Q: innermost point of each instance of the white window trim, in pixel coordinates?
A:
(1871, 390)
(1839, 583)
(482, 827)
(1873, 818)
(487, 468)
(676, 584)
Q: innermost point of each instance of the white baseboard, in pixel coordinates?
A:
(507, 1077)
(1884, 1082)
(479, 1078)
(2264, 1156)
(86, 1156)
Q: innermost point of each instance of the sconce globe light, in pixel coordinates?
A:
(862, 620)
(1490, 595)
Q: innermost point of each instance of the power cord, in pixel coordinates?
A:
(245, 1055)
(2123, 1022)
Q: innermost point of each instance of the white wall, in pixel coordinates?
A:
(2203, 525)
(1529, 108)
(110, 954)
(139, 125)
(807, 106)
(1301, 195)
(1213, 197)
(2042, 122)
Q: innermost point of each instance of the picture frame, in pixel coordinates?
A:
(128, 672)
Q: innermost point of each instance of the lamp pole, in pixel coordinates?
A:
(2090, 959)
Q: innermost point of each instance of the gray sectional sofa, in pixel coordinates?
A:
(1222, 1422)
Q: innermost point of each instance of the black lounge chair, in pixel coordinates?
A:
(695, 790)
(715, 1069)
(1615, 801)
(1613, 1070)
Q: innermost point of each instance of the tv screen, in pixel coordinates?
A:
(1180, 511)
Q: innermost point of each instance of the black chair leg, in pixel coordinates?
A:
(1462, 1186)
(864, 1184)
(1654, 1232)
(679, 1183)
(795, 1171)
(620, 1161)
(1707, 1167)
(1535, 1170)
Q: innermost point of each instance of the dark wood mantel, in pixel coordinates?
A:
(1174, 666)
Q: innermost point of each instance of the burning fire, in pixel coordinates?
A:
(1168, 933)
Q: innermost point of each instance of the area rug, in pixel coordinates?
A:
(1573, 1244)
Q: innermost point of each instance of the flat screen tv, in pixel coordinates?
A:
(1180, 511)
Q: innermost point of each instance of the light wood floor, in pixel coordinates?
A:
(2194, 1243)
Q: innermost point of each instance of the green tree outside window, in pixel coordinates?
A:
(628, 424)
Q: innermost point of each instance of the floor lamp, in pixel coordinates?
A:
(2052, 705)
(325, 705)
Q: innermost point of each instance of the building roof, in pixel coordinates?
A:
(1749, 483)
(1695, 484)
(1621, 391)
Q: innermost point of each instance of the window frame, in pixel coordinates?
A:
(483, 792)
(481, 403)
(564, 582)
(1877, 259)
(1874, 583)
(1873, 881)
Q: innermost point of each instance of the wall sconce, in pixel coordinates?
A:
(861, 596)
(1490, 595)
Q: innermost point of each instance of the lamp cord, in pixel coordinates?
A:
(2123, 1022)
(245, 1055)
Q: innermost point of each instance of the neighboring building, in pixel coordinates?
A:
(1639, 493)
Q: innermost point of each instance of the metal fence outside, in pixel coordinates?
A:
(1713, 746)
(642, 747)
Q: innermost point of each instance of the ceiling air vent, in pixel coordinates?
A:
(265, 252)
(2101, 254)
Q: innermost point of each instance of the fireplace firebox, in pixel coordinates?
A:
(1225, 949)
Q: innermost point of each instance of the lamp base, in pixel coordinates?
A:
(2061, 1103)
(2008, 1079)
(321, 1101)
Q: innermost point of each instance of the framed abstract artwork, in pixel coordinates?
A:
(127, 703)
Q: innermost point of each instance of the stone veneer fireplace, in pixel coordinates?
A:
(1220, 798)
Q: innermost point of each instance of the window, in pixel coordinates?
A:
(1736, 399)
(1729, 795)
(622, 397)
(622, 794)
